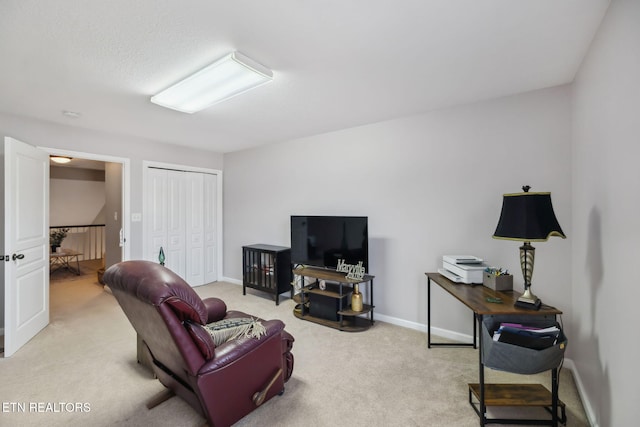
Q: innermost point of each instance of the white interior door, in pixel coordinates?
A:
(26, 243)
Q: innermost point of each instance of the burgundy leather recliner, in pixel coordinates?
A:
(222, 383)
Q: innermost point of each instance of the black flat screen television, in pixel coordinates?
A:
(321, 241)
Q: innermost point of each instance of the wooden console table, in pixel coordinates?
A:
(475, 298)
(346, 319)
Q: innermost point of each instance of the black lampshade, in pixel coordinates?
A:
(527, 217)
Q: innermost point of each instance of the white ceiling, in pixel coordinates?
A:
(336, 63)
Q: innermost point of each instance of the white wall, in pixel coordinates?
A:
(75, 202)
(606, 228)
(430, 185)
(46, 134)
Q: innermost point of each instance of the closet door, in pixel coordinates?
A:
(156, 217)
(176, 223)
(210, 201)
(194, 228)
(166, 201)
(182, 220)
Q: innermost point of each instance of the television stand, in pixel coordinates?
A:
(332, 306)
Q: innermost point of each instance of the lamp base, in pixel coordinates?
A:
(528, 300)
(535, 305)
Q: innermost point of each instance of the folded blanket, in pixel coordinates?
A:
(230, 329)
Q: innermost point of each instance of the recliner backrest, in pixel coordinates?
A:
(157, 302)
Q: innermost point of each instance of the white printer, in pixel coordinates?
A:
(463, 268)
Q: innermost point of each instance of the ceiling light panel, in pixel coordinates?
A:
(230, 76)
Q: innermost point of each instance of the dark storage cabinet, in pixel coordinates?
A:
(266, 268)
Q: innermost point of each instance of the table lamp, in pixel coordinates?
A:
(527, 217)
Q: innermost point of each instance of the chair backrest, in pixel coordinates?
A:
(157, 302)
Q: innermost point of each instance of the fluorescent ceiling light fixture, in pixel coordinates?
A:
(230, 76)
(60, 159)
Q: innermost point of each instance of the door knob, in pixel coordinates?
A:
(15, 257)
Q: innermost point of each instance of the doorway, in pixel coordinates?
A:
(115, 212)
(88, 200)
(85, 212)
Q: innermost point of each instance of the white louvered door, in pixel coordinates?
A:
(183, 221)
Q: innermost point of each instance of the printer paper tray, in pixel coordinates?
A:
(451, 276)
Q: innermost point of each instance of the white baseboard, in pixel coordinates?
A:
(444, 333)
(230, 280)
(588, 408)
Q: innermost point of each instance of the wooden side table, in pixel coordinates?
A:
(64, 259)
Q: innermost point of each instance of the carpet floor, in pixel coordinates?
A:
(81, 370)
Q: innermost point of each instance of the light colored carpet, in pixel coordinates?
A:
(81, 370)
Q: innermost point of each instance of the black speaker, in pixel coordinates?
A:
(326, 307)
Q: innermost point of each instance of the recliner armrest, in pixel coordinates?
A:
(230, 351)
(287, 356)
(216, 309)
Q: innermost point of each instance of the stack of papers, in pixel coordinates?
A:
(527, 336)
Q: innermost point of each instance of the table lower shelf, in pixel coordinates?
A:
(531, 395)
(349, 323)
